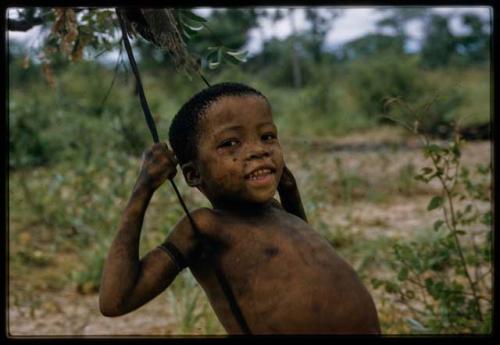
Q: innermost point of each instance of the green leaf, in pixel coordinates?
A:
(193, 28)
(429, 284)
(231, 59)
(403, 274)
(435, 202)
(483, 169)
(192, 16)
(219, 55)
(186, 23)
(85, 29)
(213, 65)
(432, 149)
(426, 170)
(391, 287)
(186, 34)
(472, 260)
(239, 56)
(416, 263)
(455, 150)
(486, 218)
(437, 224)
(439, 287)
(376, 283)
(465, 172)
(188, 31)
(212, 56)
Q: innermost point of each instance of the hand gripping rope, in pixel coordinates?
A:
(233, 304)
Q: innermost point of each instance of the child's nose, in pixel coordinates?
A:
(257, 151)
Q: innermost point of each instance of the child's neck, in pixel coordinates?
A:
(242, 208)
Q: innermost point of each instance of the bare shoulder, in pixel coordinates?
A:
(183, 236)
(203, 216)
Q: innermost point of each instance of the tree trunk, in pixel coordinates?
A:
(297, 75)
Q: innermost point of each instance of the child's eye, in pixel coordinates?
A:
(269, 136)
(228, 143)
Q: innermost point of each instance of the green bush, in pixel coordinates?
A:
(26, 146)
(376, 79)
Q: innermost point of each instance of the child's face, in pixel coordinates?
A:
(239, 155)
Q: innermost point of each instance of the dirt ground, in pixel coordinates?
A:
(66, 312)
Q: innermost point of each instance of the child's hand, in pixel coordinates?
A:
(158, 164)
(287, 180)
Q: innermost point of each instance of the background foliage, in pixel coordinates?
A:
(76, 132)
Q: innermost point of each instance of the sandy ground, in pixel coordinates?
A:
(69, 313)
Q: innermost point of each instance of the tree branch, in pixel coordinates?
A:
(23, 24)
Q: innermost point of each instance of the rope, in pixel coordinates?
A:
(233, 304)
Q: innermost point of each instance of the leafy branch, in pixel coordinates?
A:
(191, 24)
(72, 30)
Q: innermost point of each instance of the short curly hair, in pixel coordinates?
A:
(184, 129)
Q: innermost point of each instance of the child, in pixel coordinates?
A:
(285, 277)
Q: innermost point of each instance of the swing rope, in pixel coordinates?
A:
(233, 304)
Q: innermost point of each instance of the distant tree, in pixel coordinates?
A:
(390, 35)
(439, 44)
(294, 50)
(292, 55)
(376, 79)
(289, 70)
(397, 18)
(474, 46)
(321, 21)
(370, 45)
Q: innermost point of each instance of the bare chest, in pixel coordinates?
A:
(270, 269)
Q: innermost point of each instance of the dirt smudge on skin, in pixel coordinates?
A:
(271, 252)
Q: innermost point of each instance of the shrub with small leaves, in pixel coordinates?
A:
(444, 279)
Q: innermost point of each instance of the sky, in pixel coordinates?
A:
(353, 23)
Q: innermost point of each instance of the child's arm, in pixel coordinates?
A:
(127, 282)
(289, 194)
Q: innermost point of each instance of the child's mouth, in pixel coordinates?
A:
(261, 176)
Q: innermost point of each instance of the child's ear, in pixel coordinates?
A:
(191, 174)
